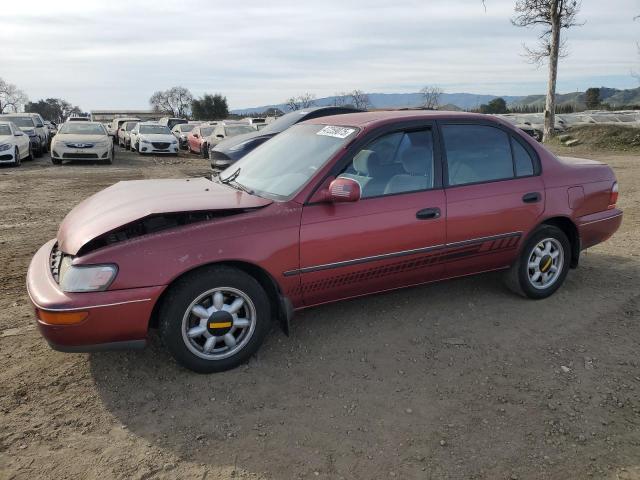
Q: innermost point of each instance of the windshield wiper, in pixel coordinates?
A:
(231, 177)
(231, 181)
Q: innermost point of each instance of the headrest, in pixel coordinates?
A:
(416, 160)
(365, 162)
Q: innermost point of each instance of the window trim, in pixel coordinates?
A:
(355, 146)
(511, 135)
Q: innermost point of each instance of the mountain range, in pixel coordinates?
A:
(470, 101)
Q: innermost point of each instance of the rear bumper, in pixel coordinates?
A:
(115, 318)
(598, 227)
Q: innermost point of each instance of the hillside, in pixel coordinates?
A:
(469, 101)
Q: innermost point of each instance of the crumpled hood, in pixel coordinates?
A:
(128, 201)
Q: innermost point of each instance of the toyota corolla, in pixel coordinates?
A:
(332, 208)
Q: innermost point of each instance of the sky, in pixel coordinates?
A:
(115, 54)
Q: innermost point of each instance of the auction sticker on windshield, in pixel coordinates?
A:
(337, 132)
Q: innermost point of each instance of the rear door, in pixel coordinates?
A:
(494, 192)
(391, 237)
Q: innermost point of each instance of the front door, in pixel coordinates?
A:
(388, 239)
(495, 196)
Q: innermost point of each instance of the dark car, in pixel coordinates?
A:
(333, 208)
(233, 149)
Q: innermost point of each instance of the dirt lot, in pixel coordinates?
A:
(456, 380)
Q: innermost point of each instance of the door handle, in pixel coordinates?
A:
(532, 197)
(428, 213)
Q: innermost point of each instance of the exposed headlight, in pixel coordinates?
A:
(4, 147)
(92, 278)
(142, 140)
(173, 142)
(183, 137)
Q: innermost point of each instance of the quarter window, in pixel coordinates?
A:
(398, 162)
(521, 159)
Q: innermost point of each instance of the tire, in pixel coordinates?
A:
(56, 161)
(44, 147)
(204, 151)
(30, 155)
(109, 160)
(16, 159)
(38, 153)
(520, 277)
(175, 319)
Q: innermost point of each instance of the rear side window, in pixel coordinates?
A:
(482, 153)
(477, 153)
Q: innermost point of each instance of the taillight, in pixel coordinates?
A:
(613, 196)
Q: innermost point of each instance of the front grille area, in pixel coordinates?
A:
(54, 262)
(6, 157)
(161, 145)
(79, 145)
(79, 155)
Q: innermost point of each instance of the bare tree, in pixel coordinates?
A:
(431, 97)
(304, 100)
(553, 15)
(360, 100)
(176, 101)
(11, 97)
(340, 99)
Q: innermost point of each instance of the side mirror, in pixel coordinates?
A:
(18, 134)
(344, 190)
(195, 135)
(220, 136)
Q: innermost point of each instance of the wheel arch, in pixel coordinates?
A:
(570, 229)
(280, 305)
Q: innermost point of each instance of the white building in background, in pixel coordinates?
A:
(106, 116)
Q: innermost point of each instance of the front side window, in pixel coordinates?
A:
(477, 153)
(5, 130)
(521, 159)
(398, 162)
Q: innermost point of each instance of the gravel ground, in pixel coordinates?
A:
(460, 379)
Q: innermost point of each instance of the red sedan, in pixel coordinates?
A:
(197, 139)
(332, 208)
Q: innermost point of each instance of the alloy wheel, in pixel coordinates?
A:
(219, 323)
(545, 263)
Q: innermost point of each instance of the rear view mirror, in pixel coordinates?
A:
(344, 190)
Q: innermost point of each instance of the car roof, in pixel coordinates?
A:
(382, 117)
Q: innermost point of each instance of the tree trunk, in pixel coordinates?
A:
(554, 48)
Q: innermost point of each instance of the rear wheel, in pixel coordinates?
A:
(214, 319)
(543, 264)
(204, 151)
(29, 154)
(38, 152)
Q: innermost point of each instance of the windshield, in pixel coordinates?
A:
(286, 121)
(120, 122)
(155, 129)
(280, 167)
(129, 126)
(238, 130)
(5, 130)
(186, 127)
(206, 131)
(82, 128)
(23, 121)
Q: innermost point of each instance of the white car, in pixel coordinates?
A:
(14, 144)
(181, 131)
(151, 137)
(227, 130)
(82, 141)
(124, 134)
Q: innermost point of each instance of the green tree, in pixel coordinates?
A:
(56, 110)
(497, 105)
(210, 107)
(592, 98)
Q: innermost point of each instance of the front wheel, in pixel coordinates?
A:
(543, 264)
(214, 319)
(16, 157)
